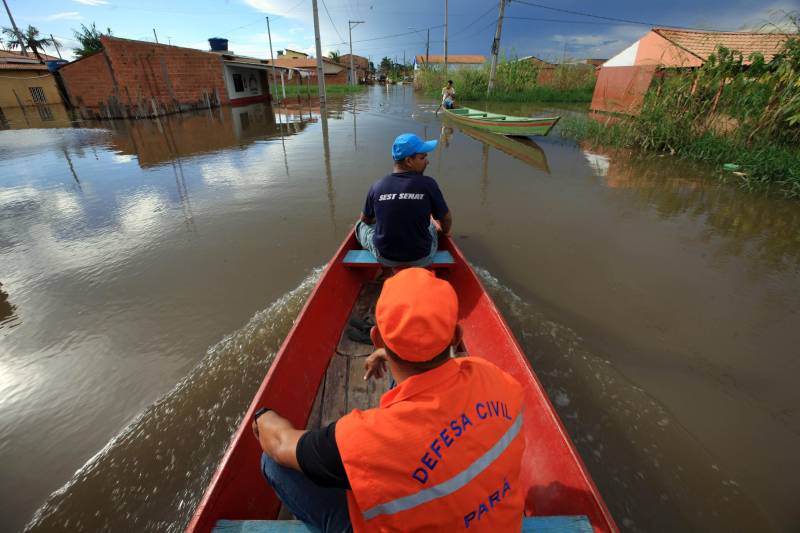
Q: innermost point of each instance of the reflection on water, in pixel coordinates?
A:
(199, 414)
(523, 148)
(7, 315)
(657, 306)
(39, 116)
(764, 228)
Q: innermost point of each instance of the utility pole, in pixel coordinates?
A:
(445, 39)
(16, 30)
(271, 59)
(352, 24)
(428, 49)
(320, 69)
(155, 35)
(55, 43)
(496, 47)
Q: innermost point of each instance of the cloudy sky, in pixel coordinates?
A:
(548, 29)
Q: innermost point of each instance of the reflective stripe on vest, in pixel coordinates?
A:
(453, 484)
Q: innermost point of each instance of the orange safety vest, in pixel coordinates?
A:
(441, 453)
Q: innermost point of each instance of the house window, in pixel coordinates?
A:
(238, 83)
(37, 93)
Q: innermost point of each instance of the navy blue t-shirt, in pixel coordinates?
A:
(402, 204)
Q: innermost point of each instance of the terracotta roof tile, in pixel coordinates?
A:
(469, 60)
(704, 43)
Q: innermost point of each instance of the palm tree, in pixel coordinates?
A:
(89, 40)
(28, 39)
(335, 56)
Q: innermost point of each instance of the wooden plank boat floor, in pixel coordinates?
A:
(344, 387)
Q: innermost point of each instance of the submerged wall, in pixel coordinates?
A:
(136, 79)
(622, 89)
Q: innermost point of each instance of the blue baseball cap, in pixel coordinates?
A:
(409, 144)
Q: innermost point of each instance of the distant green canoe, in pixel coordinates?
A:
(502, 124)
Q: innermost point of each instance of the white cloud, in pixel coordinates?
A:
(274, 7)
(92, 2)
(67, 15)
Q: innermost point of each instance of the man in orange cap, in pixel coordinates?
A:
(443, 449)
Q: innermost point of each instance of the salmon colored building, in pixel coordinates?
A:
(624, 79)
(25, 81)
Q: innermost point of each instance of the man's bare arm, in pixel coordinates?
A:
(278, 438)
(446, 223)
(367, 220)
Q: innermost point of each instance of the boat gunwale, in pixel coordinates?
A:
(534, 380)
(565, 463)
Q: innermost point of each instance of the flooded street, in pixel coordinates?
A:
(150, 270)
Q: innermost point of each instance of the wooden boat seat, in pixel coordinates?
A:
(365, 258)
(531, 524)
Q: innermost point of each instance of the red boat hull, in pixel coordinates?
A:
(553, 474)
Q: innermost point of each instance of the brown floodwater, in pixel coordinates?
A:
(151, 269)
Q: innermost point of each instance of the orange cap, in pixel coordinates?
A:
(417, 314)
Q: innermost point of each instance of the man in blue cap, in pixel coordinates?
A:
(404, 210)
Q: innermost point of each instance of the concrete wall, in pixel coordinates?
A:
(146, 79)
(16, 84)
(622, 89)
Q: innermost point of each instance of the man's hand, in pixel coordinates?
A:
(375, 364)
(446, 223)
(278, 438)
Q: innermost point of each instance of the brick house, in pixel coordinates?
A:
(360, 65)
(137, 79)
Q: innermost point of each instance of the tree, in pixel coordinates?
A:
(386, 65)
(335, 56)
(89, 39)
(28, 39)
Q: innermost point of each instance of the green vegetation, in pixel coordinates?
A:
(28, 39)
(311, 88)
(516, 81)
(723, 112)
(89, 40)
(394, 71)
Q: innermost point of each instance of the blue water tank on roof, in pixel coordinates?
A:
(54, 65)
(218, 44)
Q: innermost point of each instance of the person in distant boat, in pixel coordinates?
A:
(448, 97)
(405, 210)
(443, 450)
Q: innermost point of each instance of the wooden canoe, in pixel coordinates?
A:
(553, 475)
(502, 124)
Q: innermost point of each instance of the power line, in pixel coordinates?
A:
(592, 15)
(332, 24)
(459, 32)
(533, 4)
(564, 21)
(391, 36)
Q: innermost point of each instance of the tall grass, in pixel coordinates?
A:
(516, 81)
(313, 89)
(724, 112)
